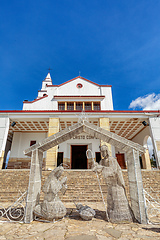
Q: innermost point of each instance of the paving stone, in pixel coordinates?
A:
(53, 233)
(100, 237)
(113, 232)
(82, 237)
(122, 226)
(148, 233)
(69, 228)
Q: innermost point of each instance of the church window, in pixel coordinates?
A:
(61, 106)
(96, 106)
(79, 85)
(70, 106)
(88, 106)
(79, 106)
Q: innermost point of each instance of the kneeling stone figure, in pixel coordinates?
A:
(52, 207)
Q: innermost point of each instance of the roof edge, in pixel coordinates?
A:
(101, 111)
(77, 78)
(35, 100)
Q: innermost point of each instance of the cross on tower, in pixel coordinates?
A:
(49, 69)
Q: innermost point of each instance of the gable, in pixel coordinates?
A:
(78, 87)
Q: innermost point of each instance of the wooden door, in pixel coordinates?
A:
(121, 160)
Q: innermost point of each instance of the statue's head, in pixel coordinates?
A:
(104, 152)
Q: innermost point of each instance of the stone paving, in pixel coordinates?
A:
(73, 228)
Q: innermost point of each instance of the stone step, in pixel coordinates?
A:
(81, 184)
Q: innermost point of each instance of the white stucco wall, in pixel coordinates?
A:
(93, 144)
(70, 89)
(154, 123)
(21, 141)
(140, 137)
(4, 127)
(107, 102)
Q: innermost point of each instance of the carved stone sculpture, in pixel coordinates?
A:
(52, 207)
(85, 212)
(117, 204)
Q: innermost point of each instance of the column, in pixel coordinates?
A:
(154, 123)
(4, 128)
(92, 106)
(104, 123)
(51, 157)
(65, 105)
(146, 160)
(83, 105)
(74, 105)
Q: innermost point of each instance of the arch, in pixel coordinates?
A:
(145, 145)
(7, 159)
(146, 163)
(132, 150)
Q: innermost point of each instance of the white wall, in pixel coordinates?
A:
(107, 102)
(140, 137)
(70, 89)
(154, 123)
(88, 89)
(93, 144)
(21, 141)
(4, 127)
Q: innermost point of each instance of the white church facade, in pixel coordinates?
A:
(60, 106)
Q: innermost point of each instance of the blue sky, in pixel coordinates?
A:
(110, 42)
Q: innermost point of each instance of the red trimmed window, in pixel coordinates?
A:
(79, 106)
(61, 106)
(96, 106)
(79, 85)
(70, 106)
(88, 106)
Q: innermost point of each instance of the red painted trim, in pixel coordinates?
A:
(35, 100)
(79, 96)
(101, 111)
(81, 78)
(42, 90)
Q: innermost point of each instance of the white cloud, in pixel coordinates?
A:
(147, 102)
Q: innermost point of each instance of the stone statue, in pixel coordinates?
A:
(117, 204)
(52, 207)
(85, 212)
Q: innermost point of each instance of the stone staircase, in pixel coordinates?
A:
(82, 184)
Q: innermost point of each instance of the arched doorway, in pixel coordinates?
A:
(7, 159)
(148, 159)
